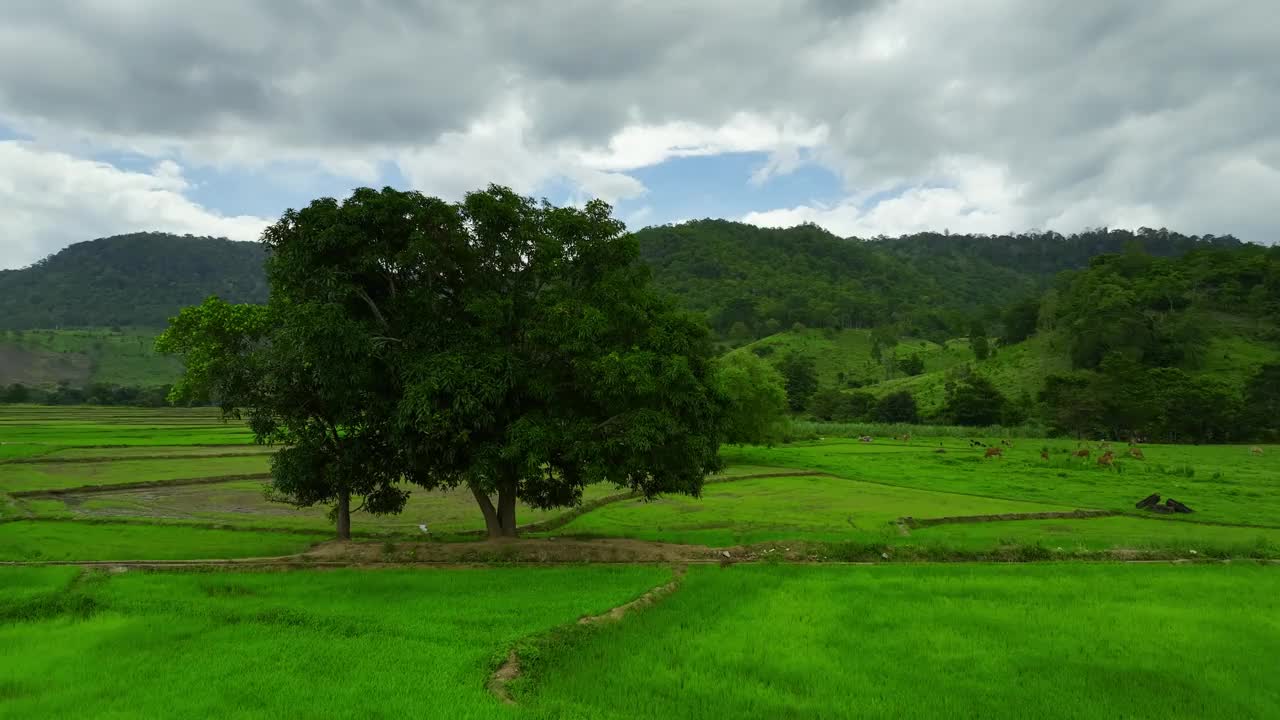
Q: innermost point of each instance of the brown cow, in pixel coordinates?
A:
(1081, 453)
(1255, 450)
(1136, 453)
(1106, 459)
(993, 452)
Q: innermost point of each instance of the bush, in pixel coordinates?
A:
(899, 407)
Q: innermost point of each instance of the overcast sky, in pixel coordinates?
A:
(865, 117)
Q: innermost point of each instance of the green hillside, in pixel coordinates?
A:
(137, 280)
(843, 357)
(45, 358)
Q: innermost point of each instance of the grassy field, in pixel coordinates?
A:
(43, 541)
(815, 508)
(747, 641)
(80, 357)
(848, 352)
(342, 644)
(17, 477)
(769, 639)
(930, 642)
(1235, 493)
(1223, 483)
(244, 504)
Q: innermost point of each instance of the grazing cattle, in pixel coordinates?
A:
(1136, 453)
(1006, 443)
(865, 438)
(977, 443)
(1255, 450)
(1044, 454)
(993, 452)
(1082, 453)
(1106, 459)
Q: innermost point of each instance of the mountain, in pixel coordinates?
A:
(129, 280)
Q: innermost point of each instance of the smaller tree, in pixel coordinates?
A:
(17, 393)
(800, 378)
(1262, 400)
(740, 332)
(912, 364)
(978, 340)
(974, 400)
(756, 402)
(898, 407)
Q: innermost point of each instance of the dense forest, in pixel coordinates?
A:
(129, 280)
(752, 282)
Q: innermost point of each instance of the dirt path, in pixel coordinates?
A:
(501, 679)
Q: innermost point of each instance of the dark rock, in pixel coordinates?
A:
(1148, 501)
(1162, 509)
(1177, 506)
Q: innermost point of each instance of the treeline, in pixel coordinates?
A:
(93, 394)
(752, 282)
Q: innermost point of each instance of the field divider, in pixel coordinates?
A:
(45, 460)
(914, 523)
(510, 669)
(176, 482)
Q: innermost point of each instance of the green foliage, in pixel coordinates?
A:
(498, 343)
(911, 364)
(927, 283)
(978, 341)
(974, 400)
(800, 378)
(756, 399)
(129, 280)
(1020, 320)
(897, 407)
(1262, 399)
(840, 406)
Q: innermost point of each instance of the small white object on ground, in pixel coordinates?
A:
(424, 529)
(724, 553)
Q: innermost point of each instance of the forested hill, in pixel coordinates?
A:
(750, 281)
(754, 281)
(140, 280)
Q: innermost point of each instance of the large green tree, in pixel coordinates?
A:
(498, 343)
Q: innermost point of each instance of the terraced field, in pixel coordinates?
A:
(632, 617)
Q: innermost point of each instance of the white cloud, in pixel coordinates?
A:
(988, 115)
(966, 195)
(52, 199)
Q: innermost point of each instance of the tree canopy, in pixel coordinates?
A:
(497, 343)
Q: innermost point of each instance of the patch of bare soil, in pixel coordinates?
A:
(524, 550)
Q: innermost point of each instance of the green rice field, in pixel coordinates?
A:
(922, 631)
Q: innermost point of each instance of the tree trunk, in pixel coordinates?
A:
(344, 515)
(490, 515)
(507, 508)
